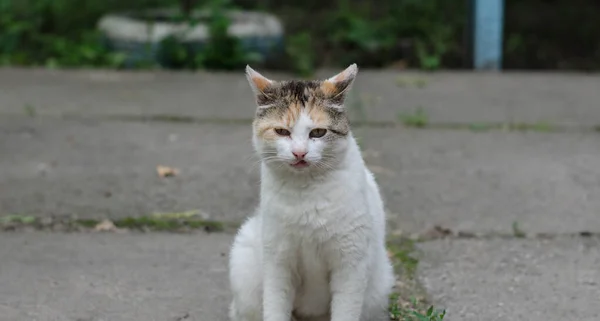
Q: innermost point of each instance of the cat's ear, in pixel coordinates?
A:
(337, 87)
(259, 84)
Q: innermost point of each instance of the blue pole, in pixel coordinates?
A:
(488, 23)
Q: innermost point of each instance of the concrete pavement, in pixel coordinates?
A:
(113, 277)
(528, 280)
(454, 178)
(98, 165)
(446, 97)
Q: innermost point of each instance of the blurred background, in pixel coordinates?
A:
(432, 34)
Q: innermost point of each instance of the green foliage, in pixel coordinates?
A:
(426, 34)
(52, 33)
(418, 118)
(517, 231)
(414, 311)
(301, 54)
(414, 33)
(222, 50)
(61, 33)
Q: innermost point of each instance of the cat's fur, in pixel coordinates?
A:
(315, 249)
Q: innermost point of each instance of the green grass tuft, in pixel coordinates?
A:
(417, 119)
(168, 222)
(404, 306)
(517, 231)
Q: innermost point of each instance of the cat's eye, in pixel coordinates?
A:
(317, 133)
(282, 132)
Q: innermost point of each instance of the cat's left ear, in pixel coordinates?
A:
(337, 87)
(259, 84)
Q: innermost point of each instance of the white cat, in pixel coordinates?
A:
(315, 249)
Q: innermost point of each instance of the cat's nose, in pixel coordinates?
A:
(299, 154)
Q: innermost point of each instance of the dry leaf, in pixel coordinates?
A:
(165, 171)
(105, 226)
(436, 232)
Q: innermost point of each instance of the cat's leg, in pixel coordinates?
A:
(245, 273)
(376, 305)
(349, 279)
(278, 292)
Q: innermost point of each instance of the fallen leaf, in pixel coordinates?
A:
(165, 171)
(105, 226)
(436, 232)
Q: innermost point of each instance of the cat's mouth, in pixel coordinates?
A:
(299, 164)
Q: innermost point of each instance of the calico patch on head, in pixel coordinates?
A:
(281, 103)
(297, 117)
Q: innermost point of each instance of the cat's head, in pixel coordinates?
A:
(301, 126)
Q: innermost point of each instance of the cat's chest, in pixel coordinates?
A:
(311, 259)
(313, 212)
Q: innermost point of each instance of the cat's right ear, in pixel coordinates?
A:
(259, 85)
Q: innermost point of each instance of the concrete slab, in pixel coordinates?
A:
(446, 97)
(547, 182)
(120, 277)
(526, 280)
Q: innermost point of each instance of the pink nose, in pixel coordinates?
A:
(299, 155)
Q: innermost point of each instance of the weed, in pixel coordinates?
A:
(87, 223)
(538, 127)
(403, 304)
(517, 231)
(413, 311)
(403, 254)
(169, 222)
(30, 110)
(428, 60)
(479, 127)
(416, 119)
(407, 82)
(16, 218)
(158, 223)
(420, 83)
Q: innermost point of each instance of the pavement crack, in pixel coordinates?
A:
(439, 232)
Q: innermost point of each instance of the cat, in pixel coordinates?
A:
(315, 248)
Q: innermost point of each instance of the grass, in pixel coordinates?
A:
(537, 127)
(29, 110)
(413, 312)
(408, 301)
(17, 219)
(166, 222)
(517, 231)
(404, 82)
(418, 118)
